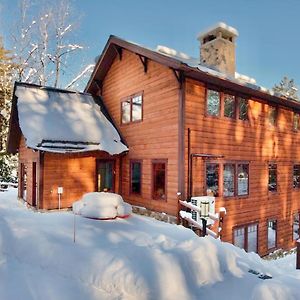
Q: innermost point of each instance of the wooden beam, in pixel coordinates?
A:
(119, 51)
(144, 61)
(179, 76)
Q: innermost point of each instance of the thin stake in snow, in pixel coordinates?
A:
(74, 228)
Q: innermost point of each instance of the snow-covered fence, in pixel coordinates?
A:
(5, 185)
(206, 218)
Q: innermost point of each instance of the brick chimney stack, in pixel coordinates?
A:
(217, 48)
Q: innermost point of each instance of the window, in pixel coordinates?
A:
(159, 180)
(228, 180)
(296, 226)
(135, 177)
(272, 115)
(272, 234)
(212, 179)
(243, 108)
(213, 103)
(272, 186)
(296, 121)
(235, 180)
(243, 179)
(245, 237)
(296, 176)
(132, 109)
(229, 106)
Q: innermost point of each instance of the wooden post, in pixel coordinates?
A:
(298, 255)
(204, 224)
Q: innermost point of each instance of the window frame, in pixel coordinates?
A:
(275, 108)
(159, 161)
(293, 121)
(295, 187)
(276, 234)
(222, 93)
(221, 164)
(130, 98)
(245, 227)
(131, 162)
(293, 213)
(276, 190)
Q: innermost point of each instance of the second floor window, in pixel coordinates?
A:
(296, 121)
(272, 115)
(243, 108)
(272, 186)
(213, 103)
(132, 109)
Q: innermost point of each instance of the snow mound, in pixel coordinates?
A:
(102, 205)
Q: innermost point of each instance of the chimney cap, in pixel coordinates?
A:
(221, 26)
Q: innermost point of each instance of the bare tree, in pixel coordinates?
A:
(44, 43)
(287, 88)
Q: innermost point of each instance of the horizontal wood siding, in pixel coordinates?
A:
(76, 173)
(27, 157)
(156, 136)
(258, 143)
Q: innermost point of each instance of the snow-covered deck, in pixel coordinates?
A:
(135, 258)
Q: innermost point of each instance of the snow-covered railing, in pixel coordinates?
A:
(210, 219)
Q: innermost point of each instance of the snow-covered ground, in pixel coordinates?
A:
(134, 258)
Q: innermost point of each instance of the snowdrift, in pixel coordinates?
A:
(134, 258)
(102, 205)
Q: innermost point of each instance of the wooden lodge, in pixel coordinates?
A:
(192, 126)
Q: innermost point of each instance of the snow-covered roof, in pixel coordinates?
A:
(63, 121)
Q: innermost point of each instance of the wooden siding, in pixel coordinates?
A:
(156, 137)
(256, 142)
(76, 173)
(27, 157)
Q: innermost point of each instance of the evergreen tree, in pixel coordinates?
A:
(287, 88)
(7, 162)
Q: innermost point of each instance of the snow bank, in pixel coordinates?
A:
(102, 205)
(134, 258)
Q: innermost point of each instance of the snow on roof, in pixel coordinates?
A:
(195, 63)
(220, 25)
(63, 121)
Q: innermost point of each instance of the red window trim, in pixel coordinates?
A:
(245, 226)
(221, 177)
(222, 102)
(159, 161)
(276, 235)
(131, 162)
(130, 99)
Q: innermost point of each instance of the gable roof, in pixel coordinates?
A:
(56, 120)
(189, 67)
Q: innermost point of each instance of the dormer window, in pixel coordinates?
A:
(213, 103)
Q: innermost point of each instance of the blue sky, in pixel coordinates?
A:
(268, 46)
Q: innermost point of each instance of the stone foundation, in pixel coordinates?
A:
(161, 216)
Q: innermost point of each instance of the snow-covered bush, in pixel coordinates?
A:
(102, 206)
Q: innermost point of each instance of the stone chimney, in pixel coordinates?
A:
(217, 48)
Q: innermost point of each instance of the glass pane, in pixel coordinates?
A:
(252, 238)
(272, 115)
(243, 179)
(212, 179)
(213, 103)
(137, 103)
(243, 109)
(105, 176)
(272, 177)
(296, 176)
(159, 181)
(296, 121)
(239, 237)
(136, 177)
(229, 106)
(296, 226)
(272, 227)
(126, 111)
(228, 180)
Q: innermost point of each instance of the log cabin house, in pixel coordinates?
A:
(192, 126)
